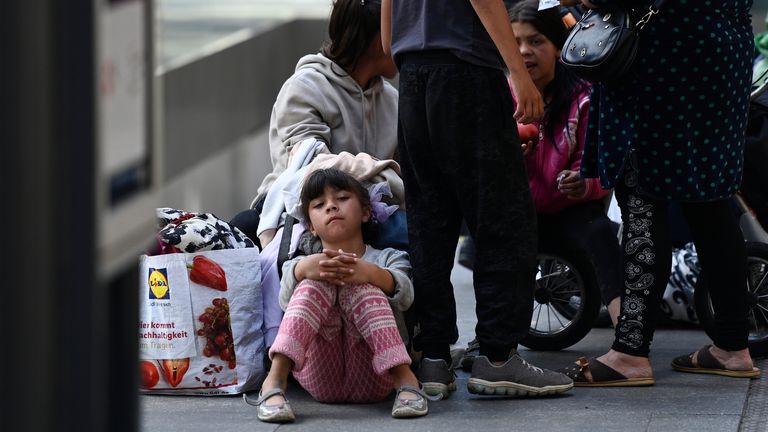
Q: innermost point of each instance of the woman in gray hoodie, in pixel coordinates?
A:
(338, 96)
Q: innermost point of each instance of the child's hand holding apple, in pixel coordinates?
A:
(529, 137)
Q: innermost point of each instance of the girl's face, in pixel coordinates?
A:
(337, 215)
(539, 54)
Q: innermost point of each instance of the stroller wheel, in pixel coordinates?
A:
(566, 301)
(757, 316)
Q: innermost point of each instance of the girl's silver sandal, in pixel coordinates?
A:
(280, 413)
(409, 408)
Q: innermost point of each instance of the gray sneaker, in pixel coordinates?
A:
(516, 377)
(437, 377)
(471, 353)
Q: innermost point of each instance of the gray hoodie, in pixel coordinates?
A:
(321, 100)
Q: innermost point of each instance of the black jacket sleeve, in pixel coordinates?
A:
(627, 3)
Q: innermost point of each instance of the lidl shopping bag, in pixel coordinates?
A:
(200, 322)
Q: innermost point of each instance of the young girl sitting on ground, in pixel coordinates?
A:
(339, 335)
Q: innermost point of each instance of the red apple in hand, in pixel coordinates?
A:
(528, 132)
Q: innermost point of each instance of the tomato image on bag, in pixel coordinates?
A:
(149, 374)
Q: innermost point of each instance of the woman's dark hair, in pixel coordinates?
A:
(353, 26)
(566, 86)
(315, 185)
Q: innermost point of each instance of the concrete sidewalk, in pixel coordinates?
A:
(678, 401)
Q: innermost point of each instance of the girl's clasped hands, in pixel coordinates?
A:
(337, 267)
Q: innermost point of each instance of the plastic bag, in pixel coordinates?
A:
(200, 322)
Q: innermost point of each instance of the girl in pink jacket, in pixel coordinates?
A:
(570, 209)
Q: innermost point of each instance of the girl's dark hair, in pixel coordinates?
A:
(353, 26)
(566, 86)
(315, 185)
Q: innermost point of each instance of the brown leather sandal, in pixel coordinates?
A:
(602, 375)
(706, 363)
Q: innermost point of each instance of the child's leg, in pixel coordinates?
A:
(373, 346)
(585, 229)
(324, 367)
(310, 313)
(277, 377)
(361, 383)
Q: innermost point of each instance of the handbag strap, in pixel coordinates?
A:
(285, 244)
(652, 10)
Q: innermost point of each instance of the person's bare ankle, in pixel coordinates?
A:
(272, 383)
(614, 309)
(628, 365)
(402, 375)
(732, 360)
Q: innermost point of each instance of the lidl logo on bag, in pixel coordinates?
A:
(158, 284)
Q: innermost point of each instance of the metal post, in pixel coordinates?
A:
(67, 355)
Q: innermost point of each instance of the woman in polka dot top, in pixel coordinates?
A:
(673, 130)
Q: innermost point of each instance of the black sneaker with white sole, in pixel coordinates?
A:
(516, 377)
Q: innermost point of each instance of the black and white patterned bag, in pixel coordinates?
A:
(197, 232)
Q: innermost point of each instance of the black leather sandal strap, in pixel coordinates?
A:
(705, 359)
(602, 372)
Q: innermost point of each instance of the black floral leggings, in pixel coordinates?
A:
(647, 255)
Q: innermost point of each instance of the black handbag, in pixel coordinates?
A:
(602, 46)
